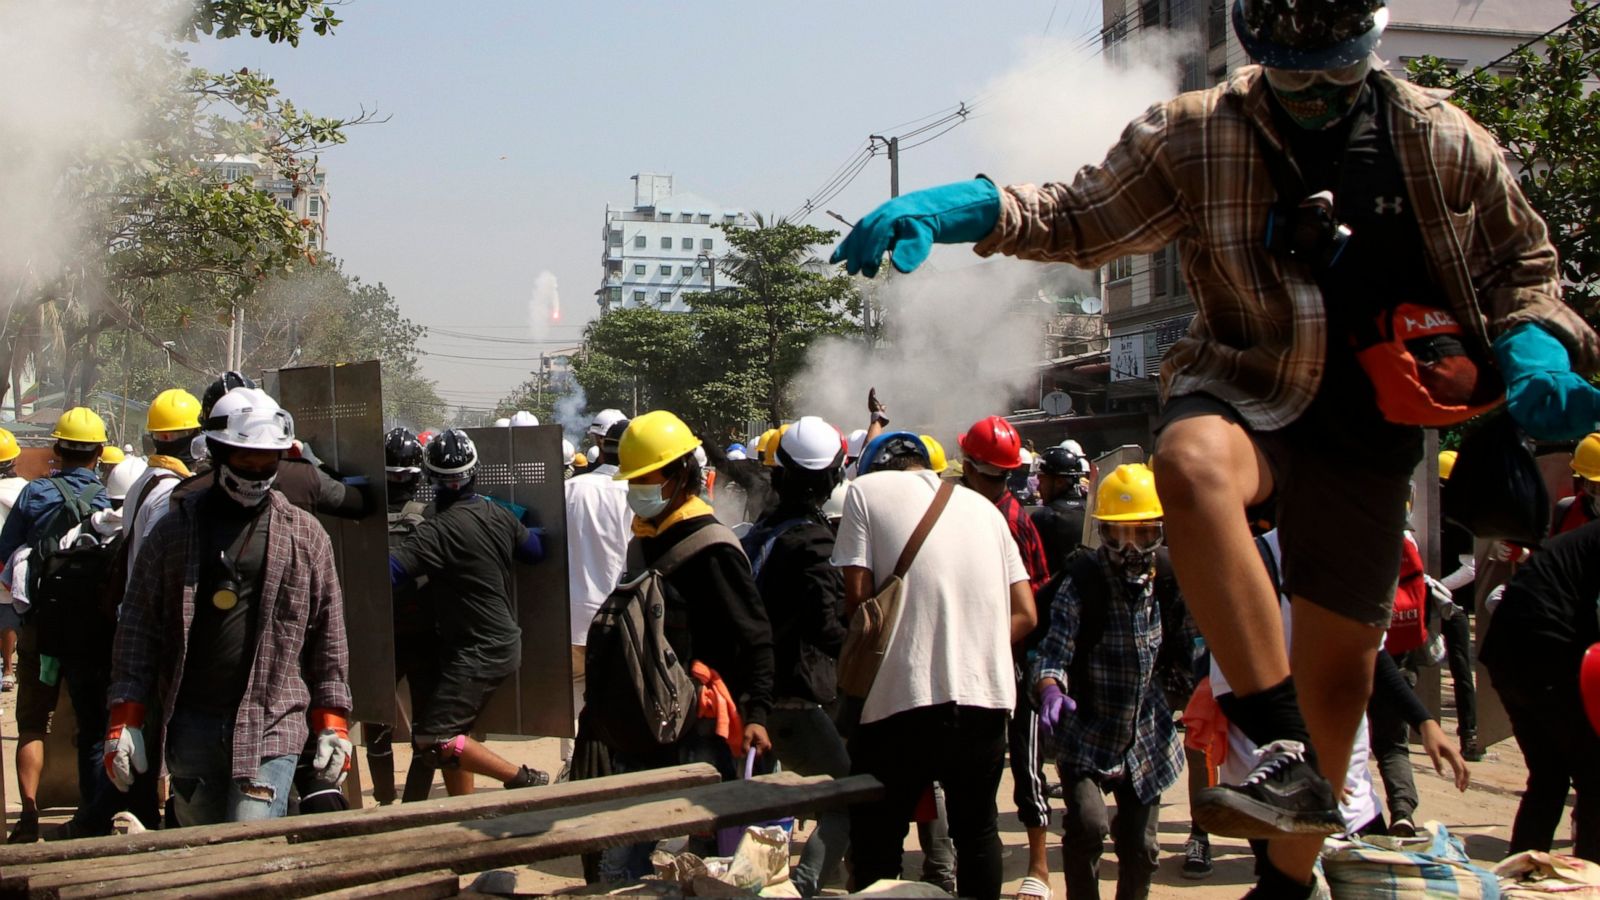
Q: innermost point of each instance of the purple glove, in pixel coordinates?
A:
(1053, 702)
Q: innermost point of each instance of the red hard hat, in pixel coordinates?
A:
(1589, 685)
(993, 442)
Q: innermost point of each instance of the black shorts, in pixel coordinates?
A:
(458, 697)
(1341, 492)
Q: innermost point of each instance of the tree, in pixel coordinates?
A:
(1542, 109)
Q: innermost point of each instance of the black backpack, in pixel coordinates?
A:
(639, 695)
(67, 586)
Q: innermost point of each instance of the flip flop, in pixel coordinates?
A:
(1033, 887)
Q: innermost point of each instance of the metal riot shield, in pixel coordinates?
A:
(338, 411)
(1104, 465)
(522, 466)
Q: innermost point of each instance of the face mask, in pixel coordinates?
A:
(245, 488)
(646, 501)
(1318, 100)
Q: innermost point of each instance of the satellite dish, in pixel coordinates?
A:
(1057, 403)
(1091, 305)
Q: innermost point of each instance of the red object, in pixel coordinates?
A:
(993, 442)
(328, 720)
(126, 714)
(1420, 372)
(1408, 626)
(1589, 685)
(424, 438)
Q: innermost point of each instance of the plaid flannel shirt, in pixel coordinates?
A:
(1029, 544)
(1122, 727)
(301, 659)
(1190, 170)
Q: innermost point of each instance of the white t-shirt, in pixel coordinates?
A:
(953, 640)
(10, 490)
(152, 507)
(599, 526)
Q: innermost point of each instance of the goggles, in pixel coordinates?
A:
(1289, 81)
(1140, 537)
(252, 430)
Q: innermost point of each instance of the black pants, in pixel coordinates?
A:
(1389, 737)
(1457, 632)
(1559, 749)
(961, 747)
(1027, 766)
(1084, 827)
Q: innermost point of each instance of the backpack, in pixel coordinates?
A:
(67, 584)
(1175, 665)
(758, 543)
(1408, 622)
(640, 695)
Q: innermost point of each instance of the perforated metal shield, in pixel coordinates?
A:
(338, 411)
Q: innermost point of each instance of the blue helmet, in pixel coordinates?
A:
(887, 446)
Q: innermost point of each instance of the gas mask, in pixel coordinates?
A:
(1131, 547)
(247, 489)
(1317, 100)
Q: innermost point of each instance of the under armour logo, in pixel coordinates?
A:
(1389, 205)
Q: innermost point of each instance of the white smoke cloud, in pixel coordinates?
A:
(960, 344)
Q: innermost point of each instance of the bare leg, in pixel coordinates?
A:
(1039, 853)
(1333, 663)
(480, 760)
(30, 769)
(458, 782)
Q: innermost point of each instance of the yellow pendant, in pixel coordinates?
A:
(225, 599)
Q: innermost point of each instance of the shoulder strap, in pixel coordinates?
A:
(941, 499)
(764, 550)
(77, 503)
(710, 535)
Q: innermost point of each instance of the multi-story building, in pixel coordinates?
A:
(1147, 306)
(663, 248)
(306, 197)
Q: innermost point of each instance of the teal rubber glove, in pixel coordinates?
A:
(1543, 394)
(909, 226)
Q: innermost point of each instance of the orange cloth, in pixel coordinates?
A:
(716, 703)
(1205, 729)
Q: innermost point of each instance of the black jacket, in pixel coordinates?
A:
(715, 616)
(1060, 525)
(804, 597)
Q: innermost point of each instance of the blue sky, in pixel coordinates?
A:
(514, 123)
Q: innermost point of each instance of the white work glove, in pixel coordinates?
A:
(124, 754)
(332, 758)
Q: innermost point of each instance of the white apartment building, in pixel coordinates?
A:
(1147, 307)
(664, 247)
(307, 198)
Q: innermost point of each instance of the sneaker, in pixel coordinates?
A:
(527, 777)
(1471, 750)
(8, 683)
(1403, 827)
(1282, 795)
(1197, 857)
(26, 830)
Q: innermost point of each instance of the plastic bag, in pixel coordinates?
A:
(1495, 491)
(1433, 865)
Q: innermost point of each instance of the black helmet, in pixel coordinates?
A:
(222, 385)
(1309, 35)
(451, 455)
(402, 452)
(1061, 461)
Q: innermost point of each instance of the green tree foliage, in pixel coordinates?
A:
(1542, 108)
(731, 359)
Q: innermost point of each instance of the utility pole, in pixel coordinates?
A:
(893, 146)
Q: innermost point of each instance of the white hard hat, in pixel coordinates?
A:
(567, 452)
(603, 420)
(700, 456)
(858, 442)
(1025, 456)
(833, 507)
(249, 419)
(737, 455)
(813, 444)
(1072, 445)
(122, 477)
(502, 422)
(523, 417)
(593, 453)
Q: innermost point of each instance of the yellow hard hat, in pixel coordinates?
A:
(1128, 495)
(1447, 464)
(8, 446)
(174, 409)
(1586, 459)
(936, 457)
(80, 425)
(112, 454)
(771, 457)
(653, 440)
(764, 445)
(579, 460)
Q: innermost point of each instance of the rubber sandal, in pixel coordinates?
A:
(1032, 887)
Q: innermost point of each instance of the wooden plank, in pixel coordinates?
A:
(18, 860)
(501, 842)
(421, 886)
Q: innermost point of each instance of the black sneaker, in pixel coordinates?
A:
(1471, 750)
(1403, 827)
(527, 777)
(1197, 857)
(1282, 795)
(26, 830)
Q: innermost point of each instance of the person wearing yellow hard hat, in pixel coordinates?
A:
(937, 461)
(1583, 506)
(11, 486)
(764, 446)
(79, 435)
(1461, 567)
(110, 457)
(173, 424)
(716, 621)
(1098, 692)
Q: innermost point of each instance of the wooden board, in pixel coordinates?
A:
(421, 886)
(496, 843)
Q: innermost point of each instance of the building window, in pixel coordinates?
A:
(666, 243)
(705, 243)
(318, 179)
(638, 269)
(703, 218)
(686, 244)
(665, 297)
(665, 217)
(1119, 268)
(728, 218)
(638, 296)
(1217, 23)
(316, 207)
(614, 295)
(638, 241)
(287, 204)
(686, 217)
(616, 238)
(686, 271)
(666, 271)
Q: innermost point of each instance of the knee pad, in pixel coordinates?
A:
(445, 754)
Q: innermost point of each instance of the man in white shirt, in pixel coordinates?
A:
(599, 526)
(937, 710)
(11, 485)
